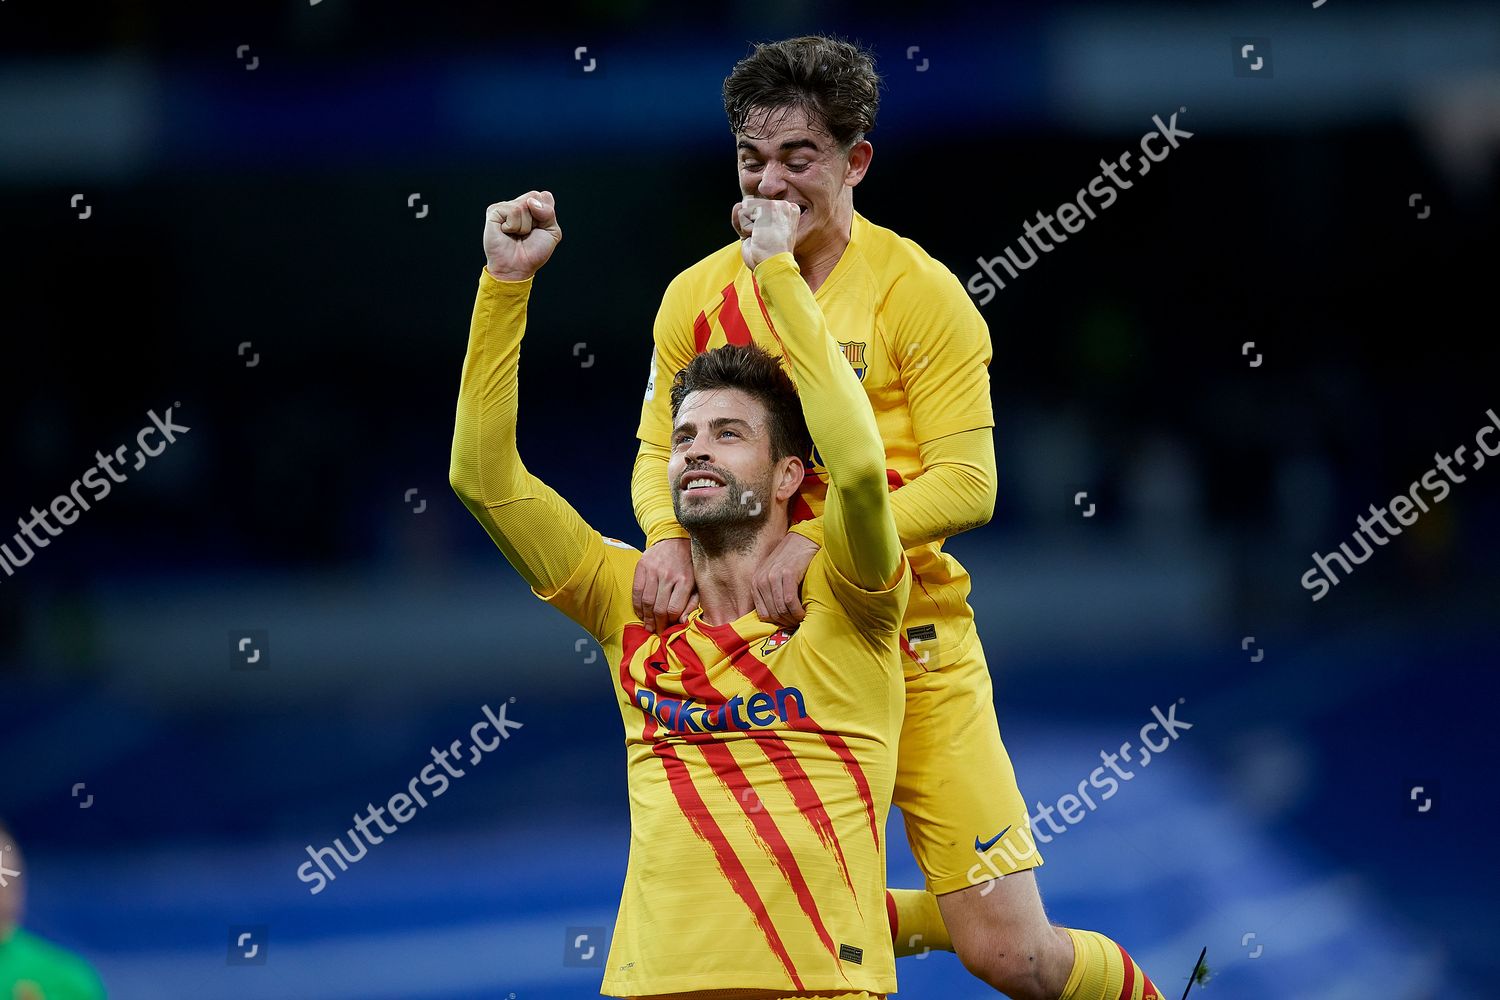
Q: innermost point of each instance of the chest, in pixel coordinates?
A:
(737, 315)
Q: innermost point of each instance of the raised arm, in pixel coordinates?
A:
(859, 534)
(955, 493)
(539, 533)
(943, 347)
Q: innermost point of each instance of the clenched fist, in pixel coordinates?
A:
(771, 224)
(520, 235)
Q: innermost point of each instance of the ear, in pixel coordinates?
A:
(860, 155)
(789, 475)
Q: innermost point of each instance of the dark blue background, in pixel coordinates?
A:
(271, 207)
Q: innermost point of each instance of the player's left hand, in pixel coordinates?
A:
(772, 225)
(777, 583)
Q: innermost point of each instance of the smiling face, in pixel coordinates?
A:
(784, 155)
(721, 471)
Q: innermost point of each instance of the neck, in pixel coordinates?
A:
(724, 565)
(821, 255)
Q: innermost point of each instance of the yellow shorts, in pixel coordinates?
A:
(965, 818)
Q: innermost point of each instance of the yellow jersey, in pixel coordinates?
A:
(760, 765)
(911, 335)
(760, 761)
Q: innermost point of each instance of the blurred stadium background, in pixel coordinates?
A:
(273, 206)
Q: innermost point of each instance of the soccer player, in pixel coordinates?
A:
(799, 110)
(31, 968)
(759, 762)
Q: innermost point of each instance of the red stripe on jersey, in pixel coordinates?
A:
(631, 641)
(696, 812)
(806, 797)
(798, 784)
(1129, 985)
(836, 742)
(755, 285)
(907, 648)
(738, 650)
(893, 479)
(703, 825)
(721, 759)
(701, 333)
(800, 509)
(735, 329)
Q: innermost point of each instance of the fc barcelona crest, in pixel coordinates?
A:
(774, 642)
(854, 350)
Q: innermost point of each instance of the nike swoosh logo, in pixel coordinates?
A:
(981, 848)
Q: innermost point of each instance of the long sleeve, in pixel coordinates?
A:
(672, 349)
(859, 535)
(652, 494)
(543, 537)
(955, 493)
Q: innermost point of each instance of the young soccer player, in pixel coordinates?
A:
(799, 110)
(760, 762)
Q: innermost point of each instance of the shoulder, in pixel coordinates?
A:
(871, 615)
(620, 557)
(906, 275)
(697, 282)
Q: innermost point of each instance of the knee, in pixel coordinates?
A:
(1022, 967)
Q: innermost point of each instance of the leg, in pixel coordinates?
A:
(965, 818)
(1003, 937)
(968, 826)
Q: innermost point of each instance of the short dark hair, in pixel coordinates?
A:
(834, 81)
(754, 371)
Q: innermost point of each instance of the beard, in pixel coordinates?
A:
(732, 520)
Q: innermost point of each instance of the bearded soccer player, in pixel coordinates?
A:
(799, 111)
(760, 763)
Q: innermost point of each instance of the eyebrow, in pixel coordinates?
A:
(790, 144)
(713, 424)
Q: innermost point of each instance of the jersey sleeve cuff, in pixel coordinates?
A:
(971, 421)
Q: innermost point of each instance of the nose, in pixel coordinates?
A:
(698, 452)
(772, 181)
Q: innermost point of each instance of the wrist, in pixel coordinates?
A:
(509, 277)
(804, 539)
(786, 254)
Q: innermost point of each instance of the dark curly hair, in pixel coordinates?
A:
(754, 371)
(833, 81)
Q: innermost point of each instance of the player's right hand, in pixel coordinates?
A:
(520, 235)
(665, 591)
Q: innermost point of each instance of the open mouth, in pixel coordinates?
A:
(700, 482)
